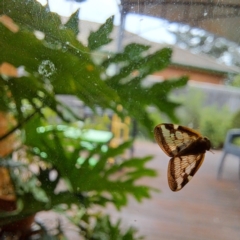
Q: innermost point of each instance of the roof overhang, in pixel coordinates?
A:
(221, 17)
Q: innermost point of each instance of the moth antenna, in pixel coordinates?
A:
(211, 151)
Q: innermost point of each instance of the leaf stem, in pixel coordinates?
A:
(19, 125)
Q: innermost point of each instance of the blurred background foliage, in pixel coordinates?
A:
(50, 169)
(211, 120)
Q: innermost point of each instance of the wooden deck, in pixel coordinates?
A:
(206, 208)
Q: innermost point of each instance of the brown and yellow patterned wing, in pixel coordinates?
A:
(181, 170)
(173, 138)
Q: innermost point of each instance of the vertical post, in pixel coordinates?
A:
(123, 14)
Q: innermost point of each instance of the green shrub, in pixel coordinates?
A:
(211, 121)
(236, 124)
(236, 120)
(236, 81)
(189, 113)
(214, 123)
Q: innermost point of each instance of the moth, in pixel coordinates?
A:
(187, 149)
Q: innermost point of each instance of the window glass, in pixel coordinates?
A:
(119, 119)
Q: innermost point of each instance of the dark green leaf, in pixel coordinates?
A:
(73, 22)
(101, 36)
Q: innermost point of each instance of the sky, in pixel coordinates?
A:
(152, 29)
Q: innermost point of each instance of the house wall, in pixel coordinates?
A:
(194, 74)
(215, 95)
(219, 95)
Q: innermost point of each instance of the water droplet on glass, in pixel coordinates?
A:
(21, 72)
(64, 48)
(46, 68)
(39, 35)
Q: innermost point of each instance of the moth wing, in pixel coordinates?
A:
(174, 138)
(181, 170)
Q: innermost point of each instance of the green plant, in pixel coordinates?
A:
(105, 230)
(211, 121)
(190, 111)
(215, 123)
(235, 123)
(236, 120)
(60, 64)
(236, 81)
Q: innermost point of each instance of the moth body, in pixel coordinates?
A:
(199, 146)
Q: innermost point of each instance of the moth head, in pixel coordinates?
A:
(207, 143)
